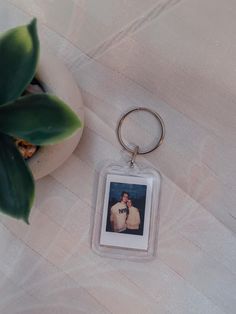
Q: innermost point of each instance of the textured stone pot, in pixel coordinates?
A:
(56, 79)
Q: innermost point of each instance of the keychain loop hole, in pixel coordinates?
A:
(133, 157)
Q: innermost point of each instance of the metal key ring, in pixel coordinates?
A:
(136, 150)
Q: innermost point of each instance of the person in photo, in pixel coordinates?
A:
(133, 219)
(119, 213)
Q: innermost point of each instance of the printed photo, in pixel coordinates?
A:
(126, 208)
(126, 212)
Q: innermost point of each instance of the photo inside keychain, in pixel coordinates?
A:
(126, 216)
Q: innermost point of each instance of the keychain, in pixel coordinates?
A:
(126, 217)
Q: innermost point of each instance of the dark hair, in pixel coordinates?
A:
(123, 193)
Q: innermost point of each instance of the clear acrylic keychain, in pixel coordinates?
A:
(126, 217)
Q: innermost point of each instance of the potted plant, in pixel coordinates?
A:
(41, 119)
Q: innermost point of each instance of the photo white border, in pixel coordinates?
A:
(124, 240)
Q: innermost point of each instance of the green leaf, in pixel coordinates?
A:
(19, 51)
(41, 119)
(16, 181)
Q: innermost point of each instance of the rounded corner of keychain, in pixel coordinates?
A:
(126, 215)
